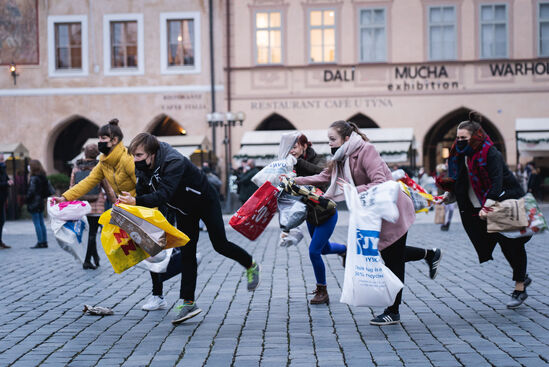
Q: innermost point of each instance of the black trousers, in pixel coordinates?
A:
(2, 215)
(210, 213)
(394, 257)
(93, 221)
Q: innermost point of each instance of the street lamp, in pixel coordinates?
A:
(13, 71)
(227, 120)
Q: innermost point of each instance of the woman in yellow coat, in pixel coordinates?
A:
(115, 165)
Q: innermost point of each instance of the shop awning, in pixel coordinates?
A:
(532, 136)
(393, 144)
(18, 149)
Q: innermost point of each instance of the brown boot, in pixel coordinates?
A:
(321, 295)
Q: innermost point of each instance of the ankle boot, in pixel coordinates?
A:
(321, 295)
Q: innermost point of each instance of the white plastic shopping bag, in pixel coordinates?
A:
(157, 263)
(367, 281)
(71, 235)
(68, 210)
(273, 171)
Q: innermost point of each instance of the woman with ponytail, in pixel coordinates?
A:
(477, 178)
(357, 162)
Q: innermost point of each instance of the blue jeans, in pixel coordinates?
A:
(320, 245)
(39, 226)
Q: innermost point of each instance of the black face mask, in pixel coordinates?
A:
(334, 150)
(461, 144)
(103, 147)
(142, 165)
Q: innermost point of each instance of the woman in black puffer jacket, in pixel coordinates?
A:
(39, 189)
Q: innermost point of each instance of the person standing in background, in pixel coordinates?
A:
(39, 190)
(5, 184)
(245, 184)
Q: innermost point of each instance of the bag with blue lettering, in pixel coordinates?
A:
(367, 281)
(70, 236)
(274, 170)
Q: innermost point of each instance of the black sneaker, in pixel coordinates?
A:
(186, 310)
(517, 298)
(386, 318)
(41, 245)
(253, 276)
(434, 262)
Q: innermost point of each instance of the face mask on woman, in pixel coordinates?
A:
(334, 150)
(103, 147)
(462, 144)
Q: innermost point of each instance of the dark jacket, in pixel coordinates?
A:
(246, 187)
(37, 193)
(504, 186)
(173, 181)
(310, 164)
(4, 186)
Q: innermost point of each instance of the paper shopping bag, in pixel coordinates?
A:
(507, 215)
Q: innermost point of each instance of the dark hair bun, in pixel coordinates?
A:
(474, 116)
(113, 122)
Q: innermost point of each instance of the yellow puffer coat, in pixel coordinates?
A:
(117, 167)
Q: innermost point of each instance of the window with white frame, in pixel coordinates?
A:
(123, 44)
(322, 36)
(493, 31)
(268, 37)
(543, 26)
(373, 44)
(180, 42)
(442, 32)
(67, 45)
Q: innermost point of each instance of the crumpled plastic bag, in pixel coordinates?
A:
(97, 311)
(70, 236)
(292, 238)
(292, 211)
(274, 170)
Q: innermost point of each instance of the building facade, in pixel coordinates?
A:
(80, 63)
(422, 64)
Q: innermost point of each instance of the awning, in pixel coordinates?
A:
(393, 144)
(18, 149)
(532, 137)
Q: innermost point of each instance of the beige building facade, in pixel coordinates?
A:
(422, 64)
(146, 63)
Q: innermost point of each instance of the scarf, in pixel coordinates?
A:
(476, 154)
(342, 168)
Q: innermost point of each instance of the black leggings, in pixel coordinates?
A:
(394, 257)
(210, 212)
(93, 221)
(2, 216)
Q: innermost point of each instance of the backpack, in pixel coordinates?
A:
(84, 171)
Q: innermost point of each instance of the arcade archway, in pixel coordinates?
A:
(68, 140)
(440, 137)
(275, 122)
(164, 125)
(363, 121)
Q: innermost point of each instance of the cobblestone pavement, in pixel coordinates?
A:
(459, 319)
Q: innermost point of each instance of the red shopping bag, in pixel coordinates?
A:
(256, 213)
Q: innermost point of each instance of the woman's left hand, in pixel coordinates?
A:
(341, 182)
(126, 198)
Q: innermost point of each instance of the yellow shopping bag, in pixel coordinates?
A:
(121, 250)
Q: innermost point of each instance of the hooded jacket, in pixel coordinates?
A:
(173, 181)
(117, 167)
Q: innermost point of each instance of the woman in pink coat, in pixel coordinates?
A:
(356, 161)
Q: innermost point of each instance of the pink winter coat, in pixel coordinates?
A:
(368, 170)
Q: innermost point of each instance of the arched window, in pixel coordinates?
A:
(164, 125)
(363, 121)
(72, 135)
(275, 122)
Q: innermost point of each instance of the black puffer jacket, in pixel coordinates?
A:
(174, 181)
(3, 182)
(307, 165)
(37, 193)
(504, 184)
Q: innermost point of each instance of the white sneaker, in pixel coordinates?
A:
(155, 303)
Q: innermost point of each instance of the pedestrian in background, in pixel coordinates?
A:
(522, 177)
(166, 178)
(5, 184)
(246, 187)
(356, 161)
(96, 197)
(442, 171)
(478, 177)
(39, 189)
